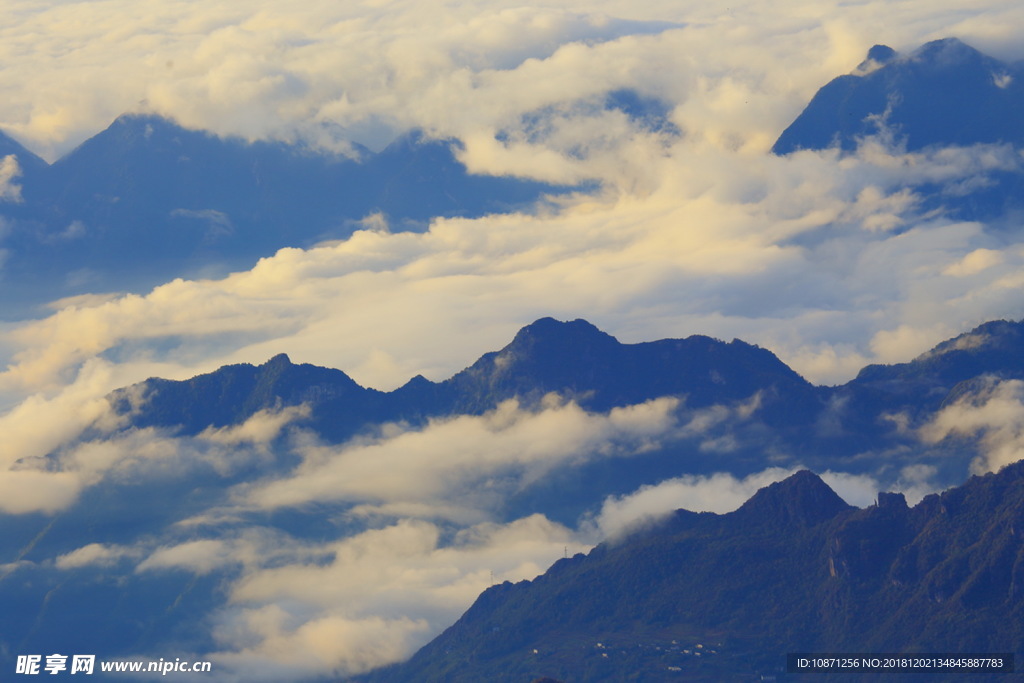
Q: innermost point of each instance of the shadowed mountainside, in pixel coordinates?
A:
(943, 93)
(712, 597)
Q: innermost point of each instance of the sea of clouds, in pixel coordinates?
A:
(831, 262)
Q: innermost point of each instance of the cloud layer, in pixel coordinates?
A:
(827, 262)
(831, 265)
(369, 69)
(464, 467)
(993, 412)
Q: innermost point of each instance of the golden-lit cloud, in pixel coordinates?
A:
(464, 466)
(994, 412)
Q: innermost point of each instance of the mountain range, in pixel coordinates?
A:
(853, 425)
(179, 465)
(769, 415)
(706, 597)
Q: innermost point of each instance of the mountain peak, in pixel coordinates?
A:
(142, 119)
(140, 127)
(881, 53)
(944, 93)
(946, 50)
(993, 348)
(996, 334)
(549, 341)
(546, 355)
(802, 499)
(878, 56)
(280, 360)
(548, 329)
(754, 588)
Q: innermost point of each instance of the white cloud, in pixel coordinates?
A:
(913, 481)
(369, 69)
(720, 492)
(995, 413)
(259, 429)
(723, 492)
(40, 423)
(384, 593)
(781, 252)
(462, 467)
(55, 465)
(24, 491)
(329, 644)
(346, 606)
(975, 262)
(10, 191)
(906, 341)
(272, 69)
(93, 554)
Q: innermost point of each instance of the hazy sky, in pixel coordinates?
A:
(829, 262)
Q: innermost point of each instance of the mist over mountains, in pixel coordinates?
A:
(819, 426)
(289, 523)
(185, 484)
(147, 200)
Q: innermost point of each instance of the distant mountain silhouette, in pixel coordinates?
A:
(944, 93)
(725, 597)
(577, 360)
(147, 200)
(572, 359)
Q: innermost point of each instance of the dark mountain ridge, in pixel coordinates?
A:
(714, 597)
(754, 411)
(573, 359)
(816, 425)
